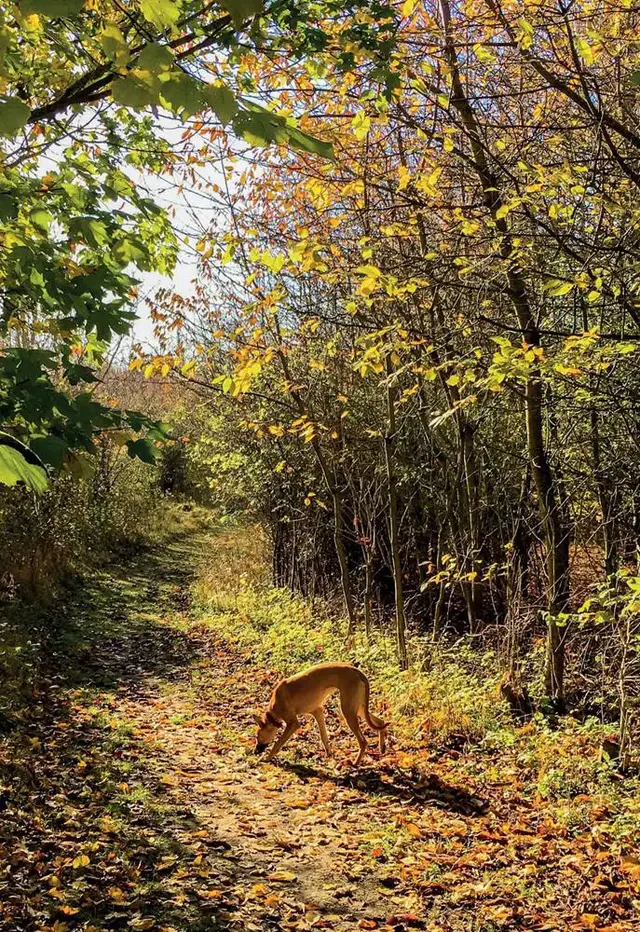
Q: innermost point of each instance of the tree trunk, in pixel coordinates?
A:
(368, 597)
(389, 441)
(551, 511)
(338, 529)
(330, 479)
(607, 498)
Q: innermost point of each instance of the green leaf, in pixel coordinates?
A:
(51, 450)
(260, 127)
(41, 219)
(241, 10)
(97, 233)
(134, 92)
(8, 206)
(307, 143)
(115, 45)
(222, 101)
(183, 94)
(128, 251)
(143, 450)
(81, 467)
(155, 58)
(54, 9)
(14, 113)
(14, 468)
(161, 13)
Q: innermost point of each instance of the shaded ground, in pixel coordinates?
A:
(130, 799)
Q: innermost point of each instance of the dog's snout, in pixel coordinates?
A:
(260, 748)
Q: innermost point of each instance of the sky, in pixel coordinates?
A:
(192, 215)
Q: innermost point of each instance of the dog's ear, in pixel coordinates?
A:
(258, 719)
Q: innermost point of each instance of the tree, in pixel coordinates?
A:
(78, 82)
(476, 226)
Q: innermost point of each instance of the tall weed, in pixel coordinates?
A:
(447, 695)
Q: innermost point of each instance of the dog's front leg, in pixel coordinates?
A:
(318, 714)
(291, 728)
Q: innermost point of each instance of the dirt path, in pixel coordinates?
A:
(133, 800)
(291, 841)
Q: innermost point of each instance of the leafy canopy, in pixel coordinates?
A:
(79, 80)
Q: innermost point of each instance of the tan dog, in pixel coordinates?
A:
(305, 693)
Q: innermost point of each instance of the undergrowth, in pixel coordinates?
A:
(448, 700)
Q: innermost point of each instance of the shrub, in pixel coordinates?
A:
(453, 698)
(76, 520)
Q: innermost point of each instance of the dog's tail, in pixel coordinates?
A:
(372, 720)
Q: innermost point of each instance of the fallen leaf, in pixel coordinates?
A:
(282, 876)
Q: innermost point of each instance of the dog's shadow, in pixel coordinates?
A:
(413, 787)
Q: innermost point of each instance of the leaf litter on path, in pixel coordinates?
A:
(133, 801)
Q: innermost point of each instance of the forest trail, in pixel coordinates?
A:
(133, 801)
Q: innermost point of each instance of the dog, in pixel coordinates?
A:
(305, 693)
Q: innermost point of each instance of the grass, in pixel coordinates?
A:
(449, 699)
(448, 695)
(97, 839)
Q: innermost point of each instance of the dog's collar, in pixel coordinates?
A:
(270, 717)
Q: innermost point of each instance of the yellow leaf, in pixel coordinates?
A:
(283, 876)
(81, 861)
(258, 889)
(361, 124)
(413, 830)
(585, 50)
(483, 53)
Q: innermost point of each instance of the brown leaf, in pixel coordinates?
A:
(282, 876)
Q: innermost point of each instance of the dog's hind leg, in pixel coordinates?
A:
(318, 714)
(381, 728)
(351, 717)
(372, 720)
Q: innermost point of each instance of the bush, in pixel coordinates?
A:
(449, 697)
(45, 538)
(454, 699)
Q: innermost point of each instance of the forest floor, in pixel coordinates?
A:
(130, 797)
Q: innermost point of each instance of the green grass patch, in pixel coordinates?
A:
(449, 698)
(448, 694)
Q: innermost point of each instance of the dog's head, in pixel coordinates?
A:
(268, 727)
